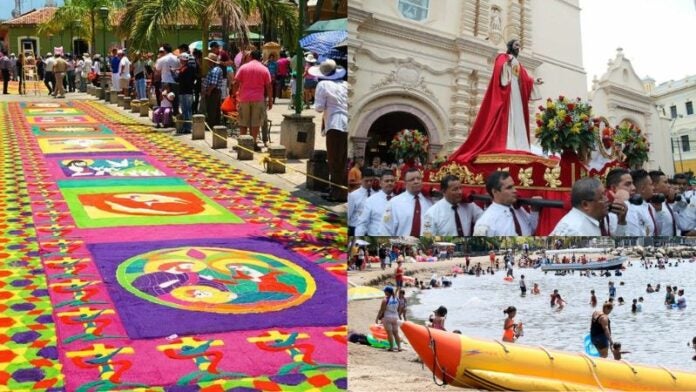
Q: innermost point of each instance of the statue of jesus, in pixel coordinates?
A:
(502, 123)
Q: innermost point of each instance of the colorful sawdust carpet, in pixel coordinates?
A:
(130, 261)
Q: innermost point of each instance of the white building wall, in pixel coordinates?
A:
(441, 67)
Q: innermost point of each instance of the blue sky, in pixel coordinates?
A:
(6, 6)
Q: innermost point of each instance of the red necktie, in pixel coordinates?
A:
(416, 223)
(458, 221)
(653, 220)
(518, 228)
(603, 227)
(674, 221)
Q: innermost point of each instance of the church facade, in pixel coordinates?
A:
(425, 64)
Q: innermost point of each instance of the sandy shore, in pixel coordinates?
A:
(372, 369)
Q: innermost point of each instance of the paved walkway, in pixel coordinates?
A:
(131, 260)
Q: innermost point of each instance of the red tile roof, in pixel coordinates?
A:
(33, 17)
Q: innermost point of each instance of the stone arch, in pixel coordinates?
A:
(380, 104)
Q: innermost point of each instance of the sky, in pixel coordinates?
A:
(6, 6)
(657, 36)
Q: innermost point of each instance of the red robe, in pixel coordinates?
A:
(489, 133)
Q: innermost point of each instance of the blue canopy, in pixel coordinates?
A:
(323, 43)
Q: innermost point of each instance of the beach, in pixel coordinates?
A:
(373, 369)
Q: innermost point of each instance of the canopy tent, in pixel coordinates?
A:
(323, 44)
(361, 243)
(328, 25)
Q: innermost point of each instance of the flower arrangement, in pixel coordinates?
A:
(566, 125)
(410, 144)
(635, 145)
(438, 162)
(608, 137)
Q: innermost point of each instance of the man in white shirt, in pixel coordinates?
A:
(643, 222)
(405, 213)
(165, 65)
(668, 214)
(357, 198)
(590, 206)
(501, 218)
(370, 221)
(449, 216)
(124, 73)
(49, 77)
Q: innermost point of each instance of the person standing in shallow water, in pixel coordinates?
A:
(593, 298)
(600, 330)
(511, 330)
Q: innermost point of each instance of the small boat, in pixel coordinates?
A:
(466, 362)
(611, 264)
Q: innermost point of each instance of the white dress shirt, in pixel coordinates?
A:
(667, 221)
(685, 215)
(577, 223)
(370, 220)
(331, 98)
(615, 229)
(356, 201)
(639, 221)
(439, 219)
(497, 221)
(398, 216)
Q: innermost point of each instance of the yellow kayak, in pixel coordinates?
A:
(488, 364)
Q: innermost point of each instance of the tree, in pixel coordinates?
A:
(144, 22)
(84, 11)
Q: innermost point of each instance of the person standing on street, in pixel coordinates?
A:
(5, 69)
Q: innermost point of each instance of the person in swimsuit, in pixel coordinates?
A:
(557, 300)
(389, 316)
(593, 298)
(438, 318)
(535, 289)
(600, 330)
(511, 330)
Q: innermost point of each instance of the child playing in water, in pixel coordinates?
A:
(616, 351)
(535, 289)
(437, 320)
(511, 330)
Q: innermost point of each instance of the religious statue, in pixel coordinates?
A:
(502, 123)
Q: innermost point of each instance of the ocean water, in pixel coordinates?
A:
(656, 336)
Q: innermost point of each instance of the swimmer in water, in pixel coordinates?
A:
(535, 289)
(557, 300)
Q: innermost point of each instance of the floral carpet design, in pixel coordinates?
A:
(131, 261)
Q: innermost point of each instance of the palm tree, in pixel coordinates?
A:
(84, 11)
(143, 21)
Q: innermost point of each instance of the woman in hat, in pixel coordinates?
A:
(331, 99)
(310, 81)
(389, 316)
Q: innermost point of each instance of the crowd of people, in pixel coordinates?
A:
(629, 203)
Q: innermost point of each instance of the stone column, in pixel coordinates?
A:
(219, 137)
(246, 150)
(198, 127)
(297, 135)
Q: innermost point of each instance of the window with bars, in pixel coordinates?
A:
(685, 143)
(414, 9)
